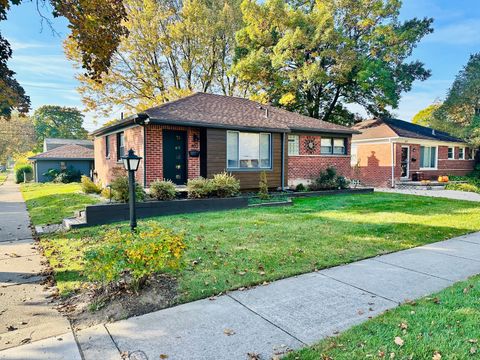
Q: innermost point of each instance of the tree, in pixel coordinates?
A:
(315, 57)
(96, 26)
(52, 121)
(18, 136)
(460, 112)
(425, 116)
(173, 48)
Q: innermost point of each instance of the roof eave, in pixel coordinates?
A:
(324, 130)
(58, 158)
(203, 124)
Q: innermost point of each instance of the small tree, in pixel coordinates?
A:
(263, 187)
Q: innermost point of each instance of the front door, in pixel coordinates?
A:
(174, 156)
(405, 162)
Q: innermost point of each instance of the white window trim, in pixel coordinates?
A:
(463, 154)
(332, 145)
(297, 143)
(436, 159)
(238, 151)
(453, 153)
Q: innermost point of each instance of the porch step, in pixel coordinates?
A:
(74, 223)
(420, 185)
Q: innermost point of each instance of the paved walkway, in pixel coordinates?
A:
(448, 194)
(289, 313)
(26, 313)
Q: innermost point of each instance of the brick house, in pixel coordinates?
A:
(388, 151)
(205, 134)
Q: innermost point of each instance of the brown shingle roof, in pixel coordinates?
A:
(66, 152)
(405, 129)
(211, 110)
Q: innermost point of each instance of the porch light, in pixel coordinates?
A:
(131, 162)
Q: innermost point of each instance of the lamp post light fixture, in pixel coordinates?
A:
(131, 163)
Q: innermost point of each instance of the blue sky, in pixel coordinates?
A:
(48, 77)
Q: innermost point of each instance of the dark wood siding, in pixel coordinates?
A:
(217, 161)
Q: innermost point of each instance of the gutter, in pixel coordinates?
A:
(282, 171)
(393, 162)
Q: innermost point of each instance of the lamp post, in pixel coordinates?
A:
(130, 163)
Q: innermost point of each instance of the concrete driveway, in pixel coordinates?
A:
(447, 194)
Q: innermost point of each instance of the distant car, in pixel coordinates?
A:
(3, 168)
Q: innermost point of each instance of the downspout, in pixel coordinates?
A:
(144, 156)
(283, 161)
(393, 162)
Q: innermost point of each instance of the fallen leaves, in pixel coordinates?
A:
(436, 356)
(228, 332)
(398, 340)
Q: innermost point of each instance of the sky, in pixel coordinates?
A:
(49, 78)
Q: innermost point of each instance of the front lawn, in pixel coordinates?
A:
(50, 203)
(442, 326)
(232, 249)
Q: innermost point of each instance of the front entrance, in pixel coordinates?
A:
(405, 163)
(174, 156)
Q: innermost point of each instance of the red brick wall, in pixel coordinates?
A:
(155, 151)
(107, 168)
(308, 164)
(375, 163)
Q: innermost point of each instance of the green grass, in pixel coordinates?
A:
(446, 323)
(50, 203)
(231, 249)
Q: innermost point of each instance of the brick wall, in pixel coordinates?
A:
(445, 166)
(107, 168)
(374, 163)
(154, 161)
(307, 165)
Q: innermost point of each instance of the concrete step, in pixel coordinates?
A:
(74, 223)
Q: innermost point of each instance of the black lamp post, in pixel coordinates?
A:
(131, 162)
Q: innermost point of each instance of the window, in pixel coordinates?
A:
(331, 146)
(248, 150)
(471, 154)
(120, 145)
(428, 157)
(107, 146)
(63, 165)
(293, 145)
(451, 153)
(461, 153)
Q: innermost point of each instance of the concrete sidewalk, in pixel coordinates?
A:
(26, 313)
(447, 194)
(287, 314)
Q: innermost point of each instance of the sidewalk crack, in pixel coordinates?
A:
(267, 320)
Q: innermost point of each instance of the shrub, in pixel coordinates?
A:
(120, 190)
(51, 174)
(163, 190)
(343, 182)
(300, 188)
(329, 180)
(89, 187)
(225, 185)
(463, 187)
(20, 170)
(107, 193)
(199, 188)
(263, 186)
(134, 256)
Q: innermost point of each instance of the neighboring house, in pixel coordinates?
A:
(390, 150)
(206, 134)
(61, 158)
(52, 143)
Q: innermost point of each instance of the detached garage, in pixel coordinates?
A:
(73, 156)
